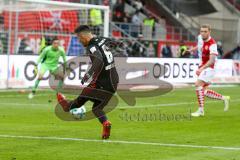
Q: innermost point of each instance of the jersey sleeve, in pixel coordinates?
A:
(199, 38)
(199, 41)
(213, 49)
(97, 60)
(42, 55)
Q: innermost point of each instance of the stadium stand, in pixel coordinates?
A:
(143, 22)
(235, 3)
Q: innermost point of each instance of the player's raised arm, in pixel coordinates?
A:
(42, 55)
(193, 49)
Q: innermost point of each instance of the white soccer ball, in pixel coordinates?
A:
(78, 113)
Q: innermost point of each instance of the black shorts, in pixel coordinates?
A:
(95, 93)
(100, 86)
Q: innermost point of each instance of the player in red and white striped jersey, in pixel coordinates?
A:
(206, 71)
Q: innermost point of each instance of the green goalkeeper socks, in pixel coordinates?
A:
(59, 86)
(36, 85)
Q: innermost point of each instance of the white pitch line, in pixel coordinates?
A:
(24, 95)
(172, 104)
(122, 142)
(25, 104)
(120, 107)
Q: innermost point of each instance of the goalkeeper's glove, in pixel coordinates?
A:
(67, 70)
(35, 70)
(85, 78)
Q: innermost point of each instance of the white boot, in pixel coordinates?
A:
(226, 102)
(198, 113)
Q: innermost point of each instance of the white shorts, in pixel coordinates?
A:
(207, 75)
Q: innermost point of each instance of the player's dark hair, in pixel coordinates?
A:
(82, 28)
(55, 39)
(48, 40)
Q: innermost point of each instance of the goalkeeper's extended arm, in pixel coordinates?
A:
(41, 56)
(35, 70)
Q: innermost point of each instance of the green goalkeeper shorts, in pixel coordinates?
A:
(44, 68)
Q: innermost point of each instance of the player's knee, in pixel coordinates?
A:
(96, 111)
(199, 84)
(59, 77)
(199, 88)
(40, 77)
(205, 91)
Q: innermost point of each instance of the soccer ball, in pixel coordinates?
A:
(78, 113)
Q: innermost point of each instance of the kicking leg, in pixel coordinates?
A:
(88, 93)
(68, 105)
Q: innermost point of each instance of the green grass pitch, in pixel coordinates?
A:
(29, 129)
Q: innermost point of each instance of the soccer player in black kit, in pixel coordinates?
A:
(104, 78)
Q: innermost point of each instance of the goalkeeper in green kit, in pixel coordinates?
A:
(49, 59)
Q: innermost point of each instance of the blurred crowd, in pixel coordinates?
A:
(183, 52)
(133, 23)
(138, 48)
(142, 48)
(138, 21)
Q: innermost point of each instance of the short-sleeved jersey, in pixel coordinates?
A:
(99, 52)
(51, 56)
(209, 47)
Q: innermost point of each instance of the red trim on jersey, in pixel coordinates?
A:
(206, 52)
